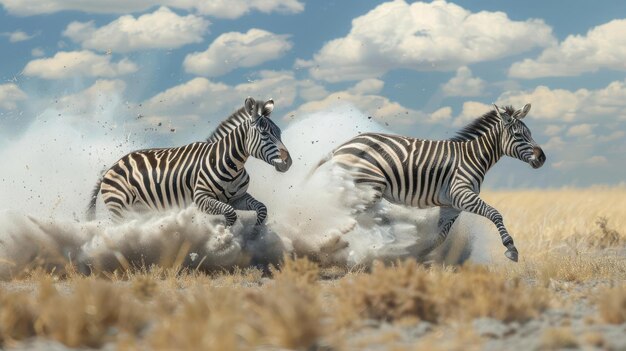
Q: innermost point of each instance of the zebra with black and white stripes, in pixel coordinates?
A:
(445, 173)
(210, 174)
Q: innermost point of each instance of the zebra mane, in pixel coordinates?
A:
(229, 124)
(481, 125)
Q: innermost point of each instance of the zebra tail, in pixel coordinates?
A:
(319, 164)
(91, 210)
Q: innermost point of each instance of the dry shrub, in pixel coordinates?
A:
(595, 339)
(285, 313)
(90, 315)
(17, 317)
(247, 277)
(606, 236)
(546, 220)
(549, 267)
(558, 338)
(409, 290)
(612, 304)
(201, 320)
(298, 270)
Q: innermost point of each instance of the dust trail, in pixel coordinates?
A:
(313, 216)
(48, 174)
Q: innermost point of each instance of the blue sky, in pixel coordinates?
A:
(423, 68)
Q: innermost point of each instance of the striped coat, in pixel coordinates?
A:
(209, 174)
(445, 173)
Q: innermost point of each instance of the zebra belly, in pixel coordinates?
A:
(409, 201)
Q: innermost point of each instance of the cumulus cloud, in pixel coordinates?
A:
(565, 105)
(18, 35)
(201, 100)
(215, 8)
(470, 111)
(232, 50)
(162, 29)
(602, 47)
(363, 96)
(464, 84)
(367, 86)
(552, 130)
(237, 8)
(423, 36)
(10, 94)
(555, 143)
(580, 130)
(310, 90)
(37, 52)
(84, 63)
(616, 135)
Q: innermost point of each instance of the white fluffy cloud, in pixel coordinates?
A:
(162, 29)
(603, 46)
(18, 35)
(201, 99)
(238, 8)
(78, 63)
(367, 86)
(608, 103)
(470, 111)
(363, 96)
(464, 84)
(10, 94)
(423, 36)
(232, 50)
(580, 130)
(216, 8)
(37, 52)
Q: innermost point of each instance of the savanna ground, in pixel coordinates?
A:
(568, 291)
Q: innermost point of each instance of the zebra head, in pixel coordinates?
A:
(264, 140)
(517, 141)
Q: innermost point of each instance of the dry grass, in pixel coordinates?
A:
(558, 338)
(568, 238)
(549, 221)
(612, 304)
(408, 290)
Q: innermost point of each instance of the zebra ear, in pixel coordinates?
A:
(268, 107)
(250, 106)
(521, 113)
(504, 117)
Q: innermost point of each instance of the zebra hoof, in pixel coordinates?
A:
(511, 254)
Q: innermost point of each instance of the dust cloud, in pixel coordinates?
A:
(48, 174)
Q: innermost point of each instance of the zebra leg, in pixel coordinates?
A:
(471, 202)
(249, 203)
(447, 217)
(215, 207)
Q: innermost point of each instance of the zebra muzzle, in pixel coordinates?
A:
(285, 161)
(538, 158)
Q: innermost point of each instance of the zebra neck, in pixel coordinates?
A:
(232, 150)
(486, 149)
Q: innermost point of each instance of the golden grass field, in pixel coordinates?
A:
(567, 291)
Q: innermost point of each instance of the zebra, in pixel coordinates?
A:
(444, 173)
(210, 174)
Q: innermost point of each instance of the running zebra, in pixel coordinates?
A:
(210, 174)
(445, 173)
